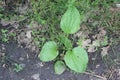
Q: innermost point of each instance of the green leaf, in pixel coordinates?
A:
(59, 67)
(76, 59)
(71, 2)
(66, 42)
(70, 22)
(49, 51)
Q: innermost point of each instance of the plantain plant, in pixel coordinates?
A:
(75, 58)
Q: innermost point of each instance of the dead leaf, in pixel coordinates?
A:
(6, 22)
(86, 43)
(79, 34)
(28, 34)
(92, 48)
(102, 31)
(104, 51)
(96, 43)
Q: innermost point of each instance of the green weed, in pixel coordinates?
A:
(70, 23)
(4, 35)
(18, 67)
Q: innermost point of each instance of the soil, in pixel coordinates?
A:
(34, 69)
(22, 51)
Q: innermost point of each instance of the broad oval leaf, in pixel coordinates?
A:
(59, 67)
(48, 52)
(70, 21)
(76, 59)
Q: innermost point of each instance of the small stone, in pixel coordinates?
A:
(21, 58)
(40, 64)
(118, 5)
(36, 76)
(98, 65)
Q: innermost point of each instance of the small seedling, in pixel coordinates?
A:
(18, 67)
